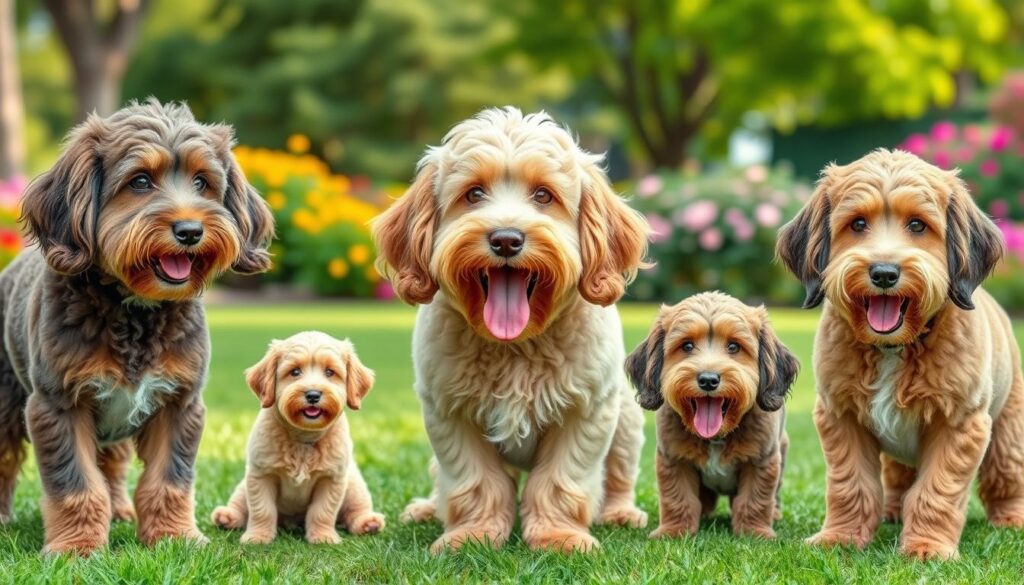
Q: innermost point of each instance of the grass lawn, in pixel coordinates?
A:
(392, 450)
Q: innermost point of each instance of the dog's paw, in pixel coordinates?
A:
(755, 531)
(893, 514)
(227, 518)
(625, 516)
(829, 538)
(922, 549)
(323, 537)
(419, 510)
(81, 547)
(191, 535)
(5, 518)
(452, 540)
(370, 523)
(670, 532)
(254, 537)
(1007, 520)
(563, 540)
(123, 512)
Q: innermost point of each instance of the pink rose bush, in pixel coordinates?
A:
(716, 229)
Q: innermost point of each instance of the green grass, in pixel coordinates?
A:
(392, 451)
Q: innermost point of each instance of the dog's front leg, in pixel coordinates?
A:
(164, 498)
(853, 491)
(753, 508)
(476, 495)
(328, 494)
(679, 497)
(76, 502)
(935, 507)
(564, 489)
(261, 491)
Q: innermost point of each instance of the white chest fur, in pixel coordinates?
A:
(121, 411)
(716, 476)
(896, 428)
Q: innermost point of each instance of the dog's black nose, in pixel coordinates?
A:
(884, 275)
(313, 396)
(188, 233)
(506, 242)
(708, 381)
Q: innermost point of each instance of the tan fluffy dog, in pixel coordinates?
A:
(516, 247)
(716, 373)
(300, 466)
(912, 360)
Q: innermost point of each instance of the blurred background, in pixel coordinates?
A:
(716, 115)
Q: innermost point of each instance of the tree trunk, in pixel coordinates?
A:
(12, 131)
(99, 52)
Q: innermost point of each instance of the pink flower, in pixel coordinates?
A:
(756, 173)
(964, 155)
(710, 239)
(384, 292)
(661, 229)
(944, 131)
(649, 186)
(999, 209)
(1001, 138)
(972, 134)
(734, 216)
(743, 231)
(11, 190)
(699, 215)
(916, 144)
(942, 159)
(767, 215)
(989, 168)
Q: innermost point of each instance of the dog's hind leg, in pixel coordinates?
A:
(896, 480)
(114, 461)
(621, 468)
(235, 514)
(1002, 471)
(12, 436)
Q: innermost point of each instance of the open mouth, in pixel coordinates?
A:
(708, 414)
(885, 313)
(174, 268)
(507, 307)
(312, 412)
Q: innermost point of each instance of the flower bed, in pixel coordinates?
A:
(10, 234)
(717, 230)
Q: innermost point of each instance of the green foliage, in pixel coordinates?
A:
(716, 230)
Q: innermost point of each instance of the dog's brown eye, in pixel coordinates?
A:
(329, 372)
(688, 346)
(295, 373)
(199, 183)
(475, 195)
(733, 347)
(141, 182)
(543, 196)
(916, 225)
(860, 224)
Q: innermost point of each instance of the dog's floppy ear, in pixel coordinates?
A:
(613, 240)
(262, 377)
(359, 379)
(777, 367)
(973, 245)
(60, 207)
(404, 235)
(643, 367)
(250, 212)
(803, 243)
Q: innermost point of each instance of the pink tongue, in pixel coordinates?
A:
(884, 313)
(708, 418)
(507, 310)
(177, 266)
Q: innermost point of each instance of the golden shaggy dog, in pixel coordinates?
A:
(913, 361)
(515, 246)
(716, 373)
(300, 467)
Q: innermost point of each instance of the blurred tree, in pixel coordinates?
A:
(370, 82)
(679, 69)
(99, 41)
(12, 132)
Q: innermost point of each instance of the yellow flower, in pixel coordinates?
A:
(359, 254)
(372, 275)
(304, 220)
(298, 143)
(337, 268)
(276, 200)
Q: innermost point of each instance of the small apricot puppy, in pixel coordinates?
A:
(717, 375)
(300, 465)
